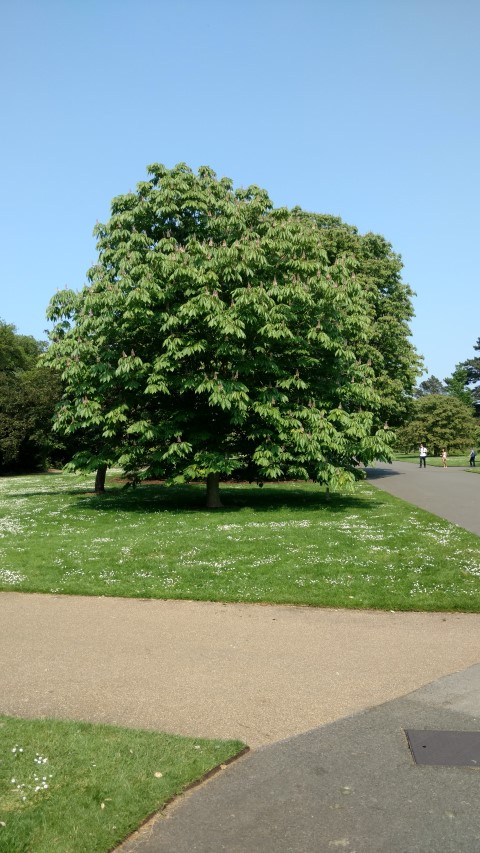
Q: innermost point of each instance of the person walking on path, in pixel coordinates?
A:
(472, 458)
(444, 458)
(423, 456)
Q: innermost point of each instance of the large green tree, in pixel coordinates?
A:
(28, 395)
(216, 336)
(439, 421)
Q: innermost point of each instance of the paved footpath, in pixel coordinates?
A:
(320, 695)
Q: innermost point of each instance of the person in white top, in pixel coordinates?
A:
(423, 456)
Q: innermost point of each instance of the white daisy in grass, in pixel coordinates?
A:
(11, 577)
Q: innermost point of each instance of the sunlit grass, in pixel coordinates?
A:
(284, 543)
(436, 461)
(81, 788)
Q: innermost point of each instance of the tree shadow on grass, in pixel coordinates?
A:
(192, 498)
(157, 497)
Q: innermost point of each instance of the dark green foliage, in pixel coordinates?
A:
(28, 395)
(17, 352)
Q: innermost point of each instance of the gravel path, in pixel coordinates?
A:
(258, 673)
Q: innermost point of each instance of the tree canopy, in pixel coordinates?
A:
(377, 267)
(217, 336)
(431, 385)
(457, 385)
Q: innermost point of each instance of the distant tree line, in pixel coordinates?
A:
(445, 414)
(29, 393)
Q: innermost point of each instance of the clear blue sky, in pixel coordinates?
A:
(367, 109)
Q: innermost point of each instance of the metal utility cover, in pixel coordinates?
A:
(446, 749)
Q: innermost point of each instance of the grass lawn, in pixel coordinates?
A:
(284, 543)
(81, 788)
(436, 461)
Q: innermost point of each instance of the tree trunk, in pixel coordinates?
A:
(213, 492)
(100, 480)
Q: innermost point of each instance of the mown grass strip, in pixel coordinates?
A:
(80, 788)
(436, 461)
(284, 543)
